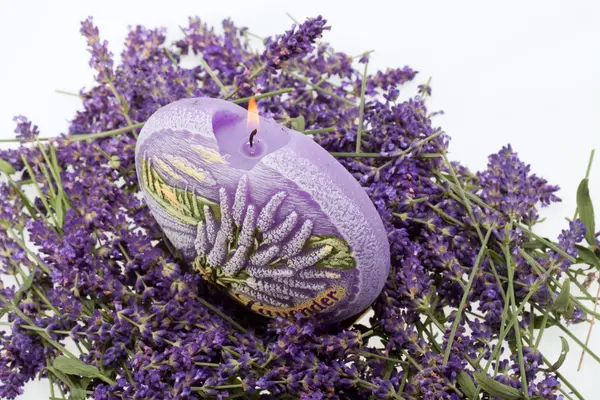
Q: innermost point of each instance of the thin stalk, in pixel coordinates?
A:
(463, 195)
(321, 130)
(581, 287)
(463, 301)
(547, 243)
(320, 89)
(44, 170)
(511, 292)
(292, 18)
(263, 95)
(589, 334)
(257, 72)
(503, 332)
(541, 332)
(124, 106)
(222, 314)
(414, 146)
(361, 110)
(212, 74)
(15, 140)
(356, 155)
(67, 93)
(30, 206)
(39, 191)
(395, 360)
(50, 380)
(113, 132)
(22, 245)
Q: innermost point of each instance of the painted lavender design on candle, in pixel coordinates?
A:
(275, 220)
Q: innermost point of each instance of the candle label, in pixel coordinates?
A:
(274, 266)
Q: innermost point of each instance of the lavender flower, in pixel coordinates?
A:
(25, 130)
(294, 43)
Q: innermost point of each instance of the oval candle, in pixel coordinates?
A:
(278, 222)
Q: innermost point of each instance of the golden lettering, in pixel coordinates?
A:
(321, 302)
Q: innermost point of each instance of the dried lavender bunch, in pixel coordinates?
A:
(471, 291)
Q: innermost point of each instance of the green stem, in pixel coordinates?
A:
(511, 292)
(415, 146)
(320, 89)
(67, 93)
(465, 296)
(395, 360)
(463, 195)
(321, 130)
(212, 73)
(356, 155)
(547, 243)
(113, 132)
(222, 314)
(257, 72)
(38, 261)
(361, 110)
(541, 332)
(124, 106)
(39, 191)
(263, 95)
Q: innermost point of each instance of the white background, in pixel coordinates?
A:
(525, 73)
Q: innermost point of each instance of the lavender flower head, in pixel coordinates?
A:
(295, 43)
(25, 130)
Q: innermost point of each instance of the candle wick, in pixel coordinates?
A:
(252, 134)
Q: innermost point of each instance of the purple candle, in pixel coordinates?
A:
(262, 210)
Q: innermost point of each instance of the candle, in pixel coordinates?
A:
(262, 210)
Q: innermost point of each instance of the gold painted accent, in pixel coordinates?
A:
(169, 195)
(321, 302)
(183, 165)
(163, 166)
(209, 156)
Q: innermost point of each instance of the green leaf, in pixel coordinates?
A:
(562, 357)
(588, 256)
(340, 257)
(27, 282)
(561, 304)
(298, 124)
(26, 202)
(498, 259)
(586, 211)
(71, 366)
(64, 378)
(496, 388)
(78, 394)
(466, 384)
(539, 320)
(535, 245)
(6, 167)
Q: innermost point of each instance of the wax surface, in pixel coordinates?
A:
(281, 225)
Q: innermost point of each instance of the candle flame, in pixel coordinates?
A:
(252, 122)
